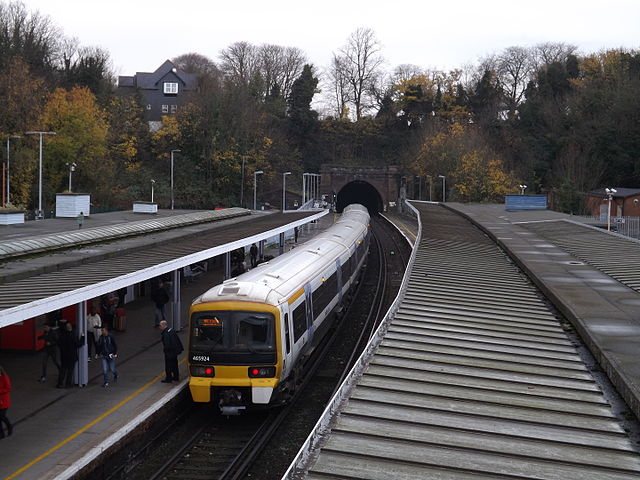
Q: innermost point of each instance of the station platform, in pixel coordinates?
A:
(57, 432)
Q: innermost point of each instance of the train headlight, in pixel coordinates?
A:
(202, 371)
(262, 372)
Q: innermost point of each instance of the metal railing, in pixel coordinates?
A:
(627, 226)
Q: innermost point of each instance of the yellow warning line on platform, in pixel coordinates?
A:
(86, 427)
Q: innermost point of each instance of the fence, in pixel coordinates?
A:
(627, 226)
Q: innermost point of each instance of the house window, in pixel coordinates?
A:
(165, 108)
(174, 108)
(170, 88)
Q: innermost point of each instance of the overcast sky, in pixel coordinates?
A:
(141, 34)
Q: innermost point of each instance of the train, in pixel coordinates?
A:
(250, 336)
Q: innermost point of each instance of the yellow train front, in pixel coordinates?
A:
(250, 336)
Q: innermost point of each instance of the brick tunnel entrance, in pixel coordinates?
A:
(361, 192)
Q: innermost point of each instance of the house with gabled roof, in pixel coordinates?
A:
(625, 202)
(162, 92)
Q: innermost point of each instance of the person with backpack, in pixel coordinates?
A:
(108, 350)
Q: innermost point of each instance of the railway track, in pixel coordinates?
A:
(227, 448)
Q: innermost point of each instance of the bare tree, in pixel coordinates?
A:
(337, 84)
(550, 52)
(271, 65)
(195, 63)
(294, 60)
(29, 35)
(363, 62)
(515, 67)
(406, 71)
(240, 62)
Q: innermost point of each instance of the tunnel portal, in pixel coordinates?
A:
(360, 192)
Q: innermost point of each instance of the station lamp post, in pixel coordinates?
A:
(430, 185)
(40, 213)
(153, 182)
(284, 190)
(8, 202)
(255, 188)
(72, 168)
(610, 193)
(242, 183)
(443, 187)
(522, 189)
(172, 152)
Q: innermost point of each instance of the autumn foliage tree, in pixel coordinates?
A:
(81, 137)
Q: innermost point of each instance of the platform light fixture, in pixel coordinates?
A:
(610, 193)
(444, 179)
(40, 213)
(284, 189)
(153, 182)
(522, 189)
(255, 188)
(72, 168)
(430, 185)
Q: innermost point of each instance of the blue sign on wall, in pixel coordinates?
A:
(525, 202)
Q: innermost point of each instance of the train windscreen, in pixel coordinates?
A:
(233, 337)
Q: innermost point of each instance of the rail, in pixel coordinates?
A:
(626, 226)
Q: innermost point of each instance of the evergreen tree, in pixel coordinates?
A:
(302, 118)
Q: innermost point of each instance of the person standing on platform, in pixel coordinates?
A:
(109, 302)
(94, 327)
(69, 344)
(50, 350)
(108, 350)
(253, 251)
(172, 348)
(160, 298)
(5, 402)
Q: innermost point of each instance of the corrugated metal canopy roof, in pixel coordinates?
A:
(38, 294)
(475, 378)
(52, 241)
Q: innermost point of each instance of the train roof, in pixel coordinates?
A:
(273, 281)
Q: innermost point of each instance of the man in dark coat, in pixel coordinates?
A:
(69, 344)
(172, 348)
(50, 337)
(160, 298)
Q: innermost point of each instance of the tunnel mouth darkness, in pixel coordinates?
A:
(360, 192)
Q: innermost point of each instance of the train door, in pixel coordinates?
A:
(309, 310)
(339, 277)
(287, 351)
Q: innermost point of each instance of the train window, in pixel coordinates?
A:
(299, 321)
(234, 336)
(346, 270)
(287, 338)
(209, 330)
(323, 295)
(254, 333)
